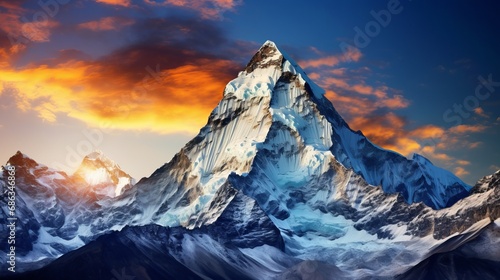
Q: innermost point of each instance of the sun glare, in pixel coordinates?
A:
(96, 177)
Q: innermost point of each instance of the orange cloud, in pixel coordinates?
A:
(123, 3)
(18, 32)
(427, 131)
(379, 130)
(370, 109)
(338, 71)
(352, 54)
(395, 102)
(336, 82)
(480, 112)
(314, 75)
(106, 23)
(382, 100)
(209, 9)
(461, 172)
(387, 131)
(10, 13)
(430, 151)
(463, 128)
(350, 106)
(95, 93)
(363, 89)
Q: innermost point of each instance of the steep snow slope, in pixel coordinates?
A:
(154, 252)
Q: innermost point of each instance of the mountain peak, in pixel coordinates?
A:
(268, 55)
(268, 66)
(20, 159)
(274, 95)
(99, 171)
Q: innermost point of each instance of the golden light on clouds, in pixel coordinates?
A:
(208, 9)
(124, 3)
(351, 54)
(370, 106)
(106, 23)
(94, 94)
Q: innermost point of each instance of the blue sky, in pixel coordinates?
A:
(137, 79)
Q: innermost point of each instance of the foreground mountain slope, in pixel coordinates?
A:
(231, 248)
(477, 259)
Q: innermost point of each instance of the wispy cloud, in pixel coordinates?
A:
(123, 3)
(208, 9)
(480, 112)
(18, 30)
(106, 23)
(460, 171)
(352, 54)
(463, 129)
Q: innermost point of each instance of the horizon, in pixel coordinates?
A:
(137, 81)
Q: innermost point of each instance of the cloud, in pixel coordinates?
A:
(338, 71)
(387, 131)
(369, 105)
(106, 23)
(430, 151)
(19, 30)
(350, 106)
(362, 89)
(494, 167)
(95, 92)
(10, 12)
(474, 145)
(370, 100)
(395, 102)
(427, 131)
(123, 3)
(480, 112)
(208, 9)
(147, 85)
(463, 129)
(352, 54)
(461, 172)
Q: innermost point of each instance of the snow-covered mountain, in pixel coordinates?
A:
(277, 175)
(57, 213)
(208, 252)
(104, 175)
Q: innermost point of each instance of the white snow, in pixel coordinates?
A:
(122, 182)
